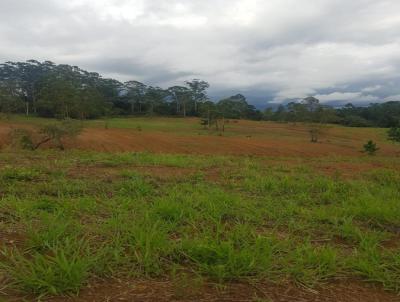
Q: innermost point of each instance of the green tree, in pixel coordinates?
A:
(198, 90)
(181, 96)
(136, 92)
(9, 102)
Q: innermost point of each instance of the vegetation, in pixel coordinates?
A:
(50, 133)
(310, 110)
(74, 215)
(394, 134)
(370, 148)
(67, 218)
(64, 91)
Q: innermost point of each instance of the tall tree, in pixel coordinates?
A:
(135, 93)
(198, 91)
(181, 95)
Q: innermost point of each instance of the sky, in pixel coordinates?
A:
(272, 51)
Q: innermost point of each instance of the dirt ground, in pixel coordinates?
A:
(120, 140)
(242, 138)
(149, 291)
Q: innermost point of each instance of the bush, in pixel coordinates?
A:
(370, 148)
(394, 134)
(22, 138)
(56, 132)
(49, 133)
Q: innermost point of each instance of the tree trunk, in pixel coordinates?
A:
(27, 108)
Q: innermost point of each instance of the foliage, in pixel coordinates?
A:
(370, 148)
(394, 134)
(55, 132)
(21, 138)
(310, 110)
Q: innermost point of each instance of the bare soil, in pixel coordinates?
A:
(164, 290)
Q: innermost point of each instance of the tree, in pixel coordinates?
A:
(25, 77)
(235, 107)
(57, 97)
(89, 103)
(181, 96)
(198, 90)
(209, 114)
(154, 99)
(296, 112)
(312, 109)
(136, 92)
(9, 102)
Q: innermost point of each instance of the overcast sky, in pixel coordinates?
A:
(269, 50)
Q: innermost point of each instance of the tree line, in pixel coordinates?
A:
(64, 91)
(384, 115)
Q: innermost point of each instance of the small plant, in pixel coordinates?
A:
(315, 130)
(370, 148)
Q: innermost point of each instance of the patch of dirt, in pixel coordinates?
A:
(93, 172)
(393, 243)
(9, 238)
(151, 290)
(213, 174)
(122, 140)
(243, 138)
(347, 169)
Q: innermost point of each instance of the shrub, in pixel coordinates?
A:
(370, 148)
(49, 133)
(394, 134)
(22, 138)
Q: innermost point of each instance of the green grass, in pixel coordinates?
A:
(258, 220)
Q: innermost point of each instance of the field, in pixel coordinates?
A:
(158, 209)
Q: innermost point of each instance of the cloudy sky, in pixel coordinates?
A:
(269, 50)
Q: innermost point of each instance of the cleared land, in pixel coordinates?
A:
(258, 214)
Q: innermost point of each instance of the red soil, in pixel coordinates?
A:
(163, 291)
(121, 140)
(243, 138)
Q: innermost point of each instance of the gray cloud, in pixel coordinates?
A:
(270, 50)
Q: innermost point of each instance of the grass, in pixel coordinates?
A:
(80, 215)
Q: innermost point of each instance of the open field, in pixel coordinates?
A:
(157, 209)
(186, 136)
